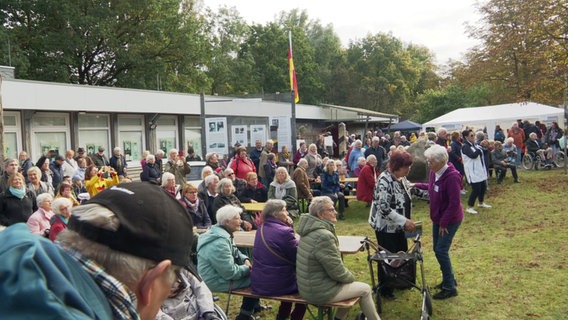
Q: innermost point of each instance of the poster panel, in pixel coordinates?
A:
(239, 135)
(216, 135)
(281, 132)
(257, 132)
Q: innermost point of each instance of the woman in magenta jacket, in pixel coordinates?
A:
(274, 256)
(446, 212)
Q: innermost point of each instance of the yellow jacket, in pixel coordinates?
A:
(97, 183)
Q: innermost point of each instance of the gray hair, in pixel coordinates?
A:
(302, 162)
(222, 183)
(376, 139)
(509, 140)
(160, 152)
(209, 155)
(172, 151)
(167, 176)
(358, 143)
(209, 179)
(441, 131)
(437, 153)
(36, 170)
(371, 156)
(44, 197)
(150, 157)
(273, 207)
(206, 171)
(228, 171)
(227, 213)
(532, 134)
(479, 135)
(361, 160)
(318, 205)
(9, 161)
(282, 169)
(125, 267)
(60, 202)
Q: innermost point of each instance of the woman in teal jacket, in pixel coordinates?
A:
(221, 265)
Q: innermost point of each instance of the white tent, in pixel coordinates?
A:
(503, 115)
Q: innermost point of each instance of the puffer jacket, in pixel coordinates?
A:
(319, 268)
(220, 263)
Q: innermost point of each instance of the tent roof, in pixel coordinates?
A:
(406, 125)
(511, 111)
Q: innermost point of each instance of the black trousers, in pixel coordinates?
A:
(393, 242)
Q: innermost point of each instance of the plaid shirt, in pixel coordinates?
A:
(121, 299)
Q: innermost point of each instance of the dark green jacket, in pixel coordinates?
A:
(319, 268)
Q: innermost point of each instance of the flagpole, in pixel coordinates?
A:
(293, 100)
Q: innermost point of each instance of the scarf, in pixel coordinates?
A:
(121, 299)
(18, 193)
(192, 206)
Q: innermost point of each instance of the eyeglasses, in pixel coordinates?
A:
(178, 286)
(231, 174)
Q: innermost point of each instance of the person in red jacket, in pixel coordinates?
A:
(242, 164)
(367, 180)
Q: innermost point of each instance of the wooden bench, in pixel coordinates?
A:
(324, 311)
(351, 198)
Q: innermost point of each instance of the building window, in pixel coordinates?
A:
(131, 136)
(49, 133)
(12, 138)
(193, 135)
(166, 133)
(94, 132)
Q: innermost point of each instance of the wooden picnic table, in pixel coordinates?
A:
(253, 207)
(350, 179)
(347, 244)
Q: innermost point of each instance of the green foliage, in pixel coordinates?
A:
(437, 102)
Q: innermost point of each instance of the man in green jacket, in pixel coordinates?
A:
(322, 276)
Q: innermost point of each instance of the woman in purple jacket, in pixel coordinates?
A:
(446, 212)
(274, 255)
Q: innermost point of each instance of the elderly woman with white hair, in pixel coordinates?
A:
(226, 196)
(151, 172)
(178, 167)
(62, 211)
(169, 183)
(322, 276)
(284, 188)
(38, 223)
(220, 263)
(446, 212)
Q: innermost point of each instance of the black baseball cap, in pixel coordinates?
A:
(153, 224)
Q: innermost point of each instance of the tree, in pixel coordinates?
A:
(523, 54)
(120, 43)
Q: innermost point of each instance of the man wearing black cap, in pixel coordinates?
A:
(100, 159)
(119, 258)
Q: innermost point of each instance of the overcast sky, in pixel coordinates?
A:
(436, 24)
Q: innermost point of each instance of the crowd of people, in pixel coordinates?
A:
(122, 260)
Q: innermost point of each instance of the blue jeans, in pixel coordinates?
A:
(442, 246)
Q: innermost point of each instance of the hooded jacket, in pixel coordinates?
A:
(40, 281)
(319, 268)
(220, 263)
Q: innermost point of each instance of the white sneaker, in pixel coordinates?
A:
(463, 191)
(471, 210)
(484, 205)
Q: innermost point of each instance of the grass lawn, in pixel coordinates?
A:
(510, 261)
